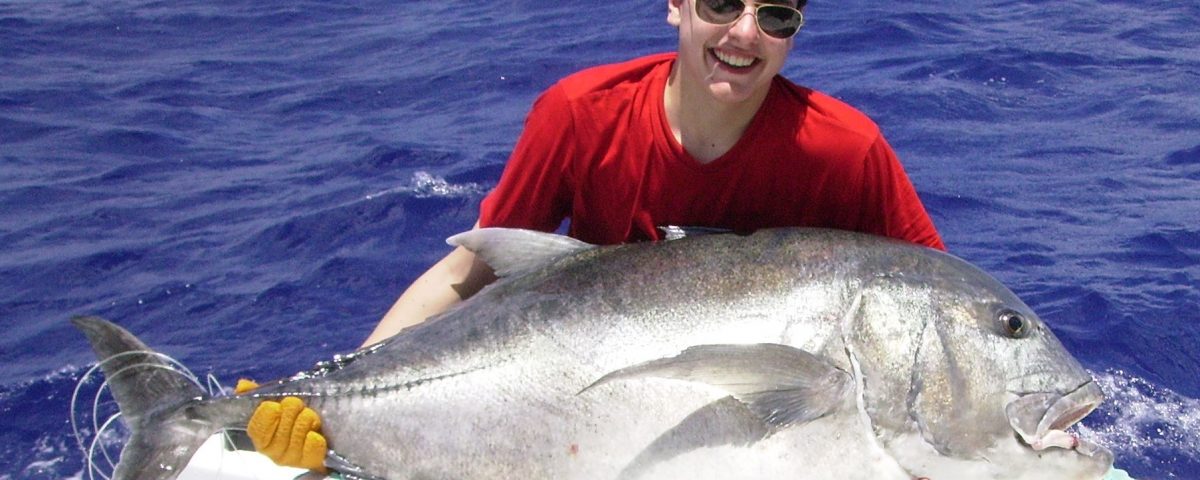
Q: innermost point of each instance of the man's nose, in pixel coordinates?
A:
(746, 26)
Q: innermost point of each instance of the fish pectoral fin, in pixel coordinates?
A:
(783, 385)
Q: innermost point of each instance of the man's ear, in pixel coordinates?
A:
(673, 11)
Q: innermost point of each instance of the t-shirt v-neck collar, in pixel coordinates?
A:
(664, 138)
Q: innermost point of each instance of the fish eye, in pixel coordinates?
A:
(1014, 324)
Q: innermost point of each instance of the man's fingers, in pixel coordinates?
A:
(315, 448)
(289, 409)
(306, 422)
(288, 433)
(263, 424)
(244, 385)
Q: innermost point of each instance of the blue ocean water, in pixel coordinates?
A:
(248, 185)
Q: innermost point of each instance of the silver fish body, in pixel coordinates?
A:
(789, 353)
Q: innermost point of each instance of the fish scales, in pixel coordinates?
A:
(580, 318)
(715, 356)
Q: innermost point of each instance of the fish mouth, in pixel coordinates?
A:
(1041, 420)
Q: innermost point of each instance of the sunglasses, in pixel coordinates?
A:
(779, 21)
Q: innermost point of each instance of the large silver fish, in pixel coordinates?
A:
(788, 353)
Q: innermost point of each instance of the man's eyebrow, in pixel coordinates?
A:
(785, 3)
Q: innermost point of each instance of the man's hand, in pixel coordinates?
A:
(287, 431)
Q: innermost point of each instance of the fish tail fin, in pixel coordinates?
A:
(161, 406)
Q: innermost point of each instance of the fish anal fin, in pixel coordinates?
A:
(782, 385)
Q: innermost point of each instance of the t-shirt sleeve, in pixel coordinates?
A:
(534, 191)
(891, 205)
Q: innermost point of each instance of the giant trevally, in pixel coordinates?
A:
(788, 353)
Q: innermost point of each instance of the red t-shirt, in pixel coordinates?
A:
(597, 148)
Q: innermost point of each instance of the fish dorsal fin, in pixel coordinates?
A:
(511, 251)
(781, 384)
(676, 232)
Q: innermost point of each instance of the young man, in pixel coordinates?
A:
(709, 136)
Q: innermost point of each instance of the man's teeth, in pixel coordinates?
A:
(734, 60)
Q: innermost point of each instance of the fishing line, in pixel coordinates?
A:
(171, 365)
(91, 452)
(213, 385)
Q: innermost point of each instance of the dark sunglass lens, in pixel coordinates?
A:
(779, 22)
(719, 11)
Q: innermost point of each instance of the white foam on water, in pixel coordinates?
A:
(426, 185)
(51, 452)
(1140, 417)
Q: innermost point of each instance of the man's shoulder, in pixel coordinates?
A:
(822, 110)
(604, 78)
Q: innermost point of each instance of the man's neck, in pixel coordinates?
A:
(705, 127)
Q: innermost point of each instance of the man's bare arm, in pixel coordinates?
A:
(453, 279)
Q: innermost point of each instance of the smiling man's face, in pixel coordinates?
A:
(733, 62)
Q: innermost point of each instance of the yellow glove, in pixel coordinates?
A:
(287, 431)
